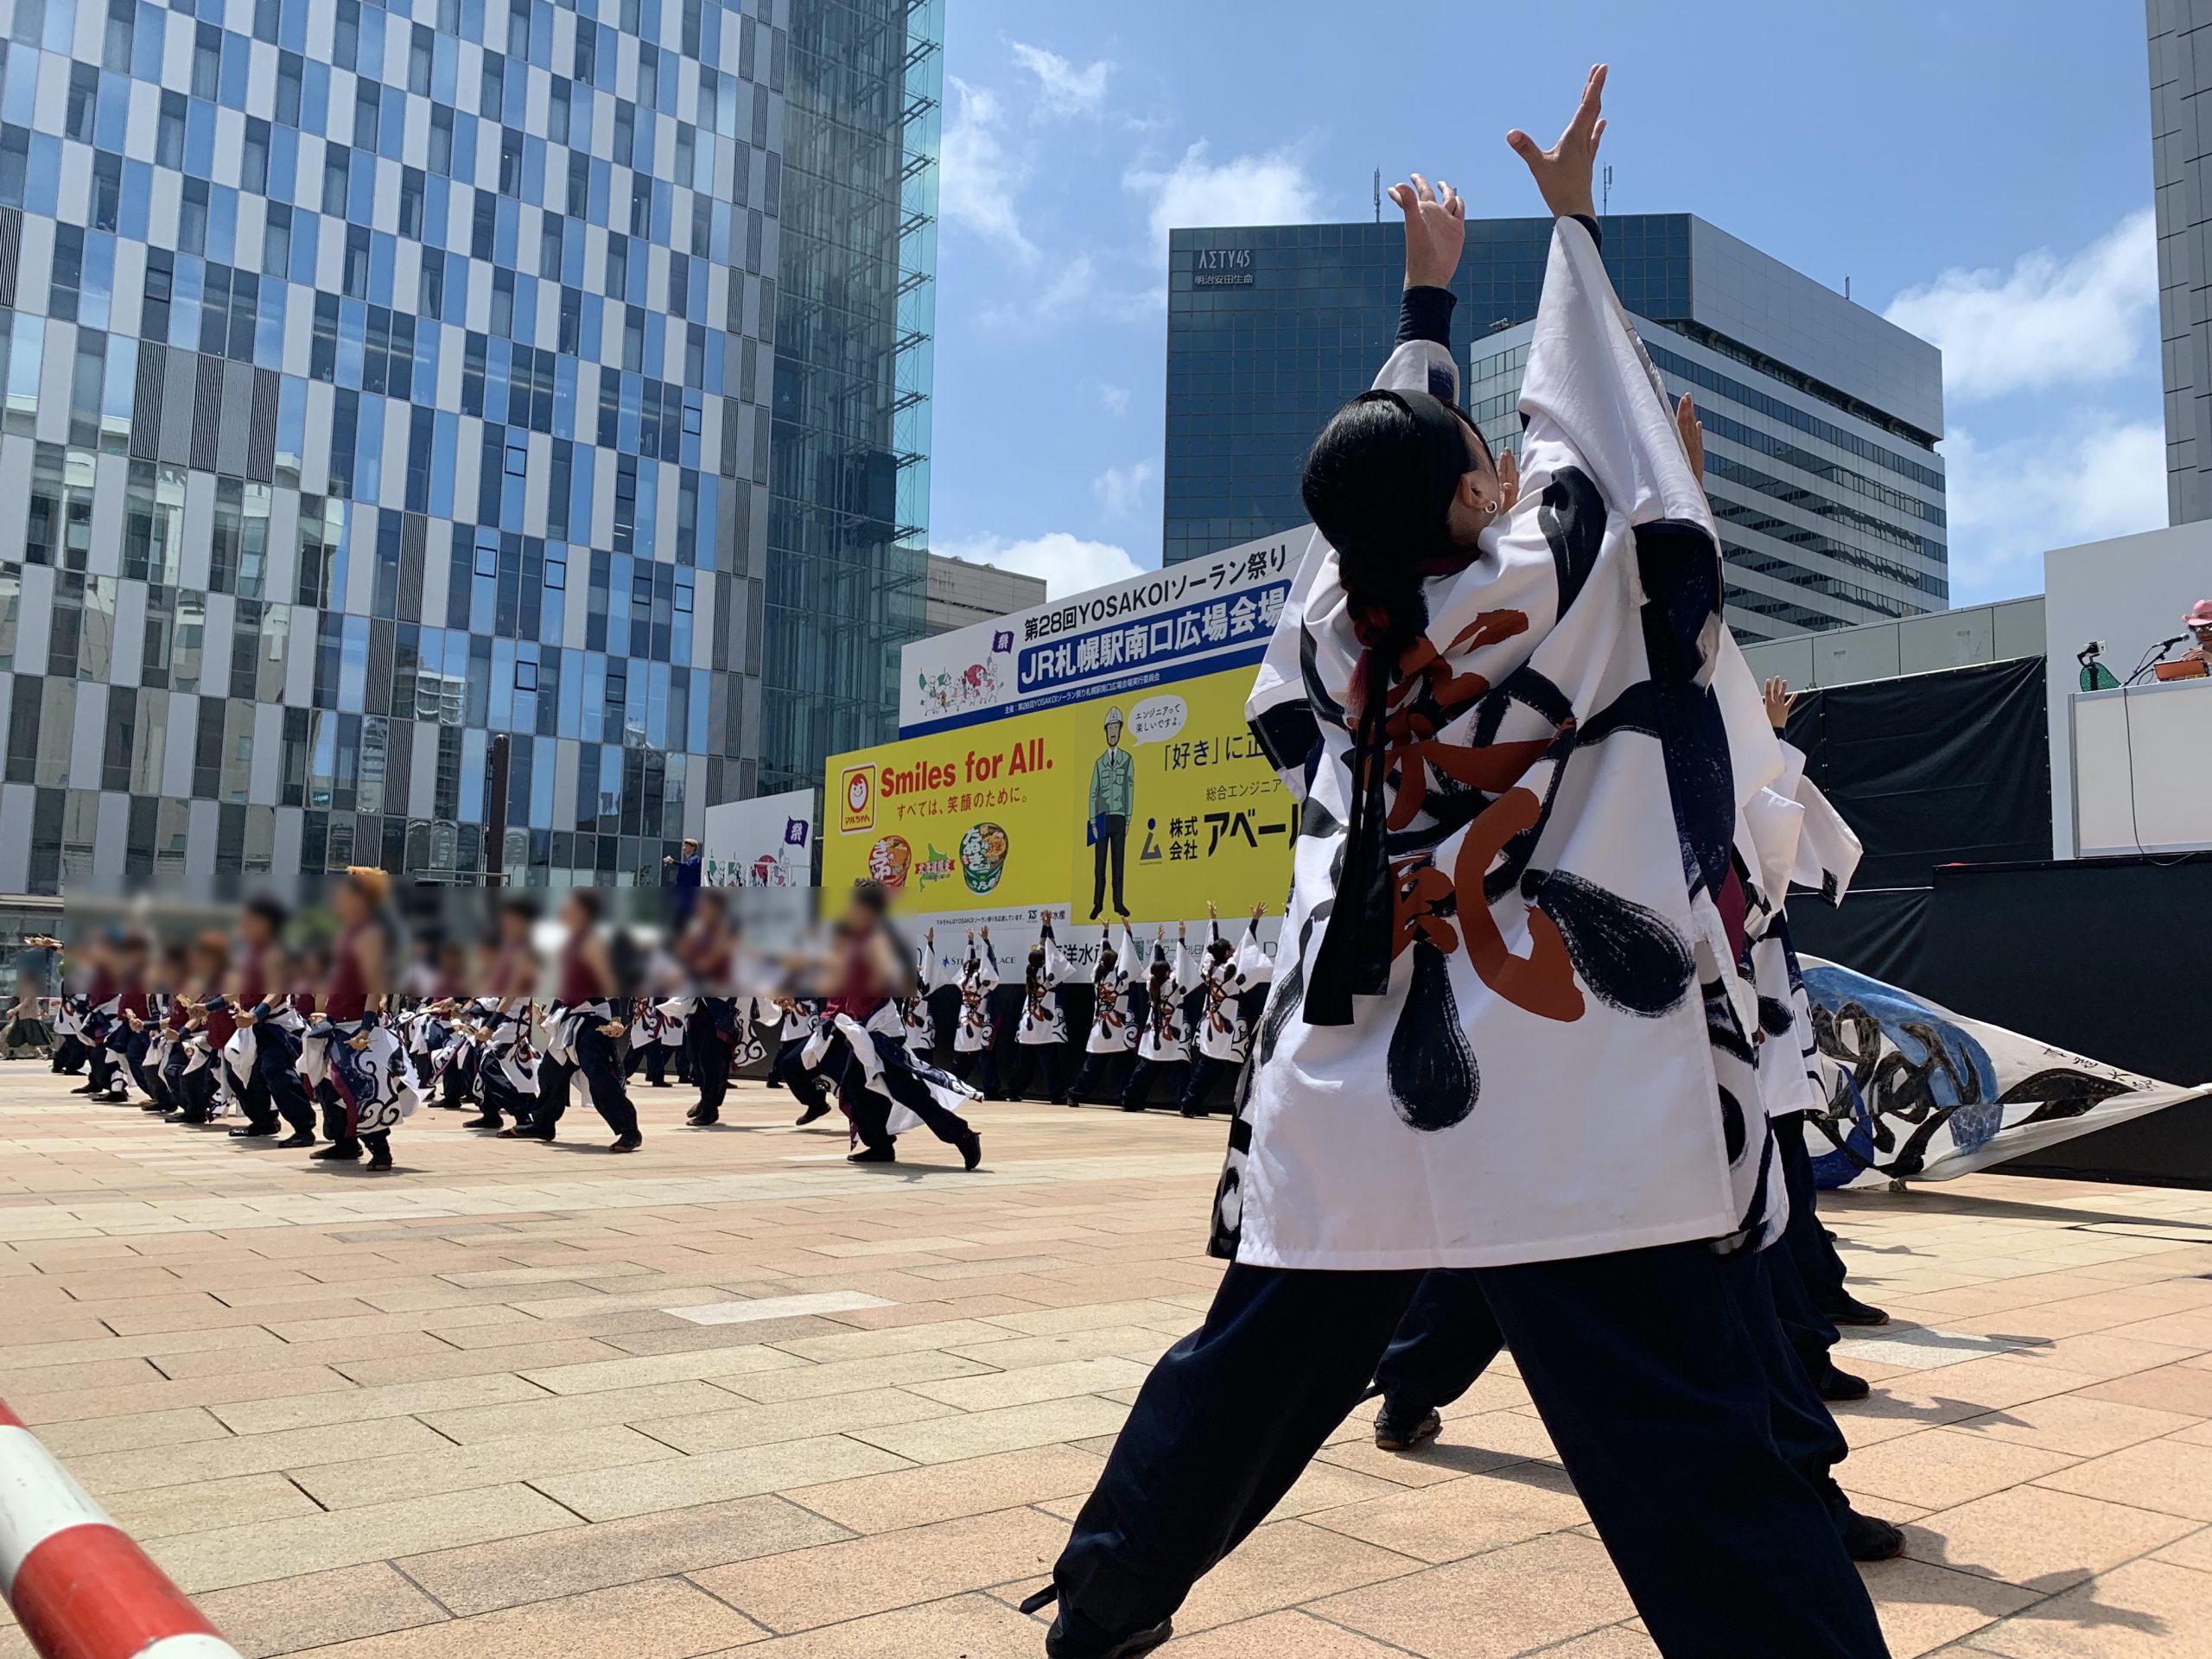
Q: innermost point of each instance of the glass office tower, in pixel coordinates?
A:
(382, 379)
(1821, 417)
(2181, 73)
(855, 314)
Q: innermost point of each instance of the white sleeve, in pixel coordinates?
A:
(987, 972)
(1252, 959)
(1186, 970)
(1828, 851)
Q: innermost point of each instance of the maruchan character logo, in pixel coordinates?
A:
(983, 856)
(889, 859)
(856, 800)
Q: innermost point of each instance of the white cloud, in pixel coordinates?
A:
(977, 177)
(1067, 291)
(1068, 90)
(2048, 321)
(1113, 399)
(1121, 490)
(1068, 563)
(2010, 502)
(1270, 189)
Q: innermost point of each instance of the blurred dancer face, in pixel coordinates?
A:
(349, 903)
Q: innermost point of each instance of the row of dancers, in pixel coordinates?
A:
(1163, 1022)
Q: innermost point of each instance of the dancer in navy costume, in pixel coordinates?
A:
(587, 1031)
(1636, 1353)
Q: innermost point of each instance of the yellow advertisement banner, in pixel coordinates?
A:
(1161, 801)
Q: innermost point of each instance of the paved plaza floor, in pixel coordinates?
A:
(730, 1392)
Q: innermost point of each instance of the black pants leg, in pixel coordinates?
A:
(1658, 1388)
(1199, 1081)
(788, 1072)
(552, 1102)
(1136, 1088)
(1647, 1380)
(1112, 838)
(134, 1057)
(1819, 1269)
(1116, 841)
(655, 1054)
(1446, 1339)
(1228, 1420)
(337, 1117)
(253, 1100)
(278, 1069)
(709, 1056)
(198, 1089)
(497, 1095)
(1811, 1333)
(1094, 1079)
(600, 1064)
(1805, 1432)
(1036, 1068)
(871, 1113)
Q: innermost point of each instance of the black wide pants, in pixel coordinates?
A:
(1640, 1366)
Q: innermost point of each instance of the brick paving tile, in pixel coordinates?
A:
(515, 1400)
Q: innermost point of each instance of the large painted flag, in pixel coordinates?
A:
(1915, 1092)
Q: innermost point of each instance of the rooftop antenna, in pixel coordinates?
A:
(1606, 203)
(1378, 195)
(1846, 284)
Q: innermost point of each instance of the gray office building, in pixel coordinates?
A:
(385, 380)
(2181, 136)
(1820, 418)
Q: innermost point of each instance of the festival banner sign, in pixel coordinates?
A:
(1003, 819)
(1117, 641)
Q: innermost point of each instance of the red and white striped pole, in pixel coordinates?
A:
(79, 1588)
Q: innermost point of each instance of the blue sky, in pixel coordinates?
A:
(1980, 169)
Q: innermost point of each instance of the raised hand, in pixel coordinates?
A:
(1776, 694)
(1564, 172)
(1436, 228)
(1692, 433)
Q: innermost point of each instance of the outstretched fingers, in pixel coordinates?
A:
(1588, 121)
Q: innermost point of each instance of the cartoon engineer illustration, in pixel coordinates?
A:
(1113, 801)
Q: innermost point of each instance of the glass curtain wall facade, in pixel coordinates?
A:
(849, 518)
(1820, 418)
(378, 379)
(2181, 73)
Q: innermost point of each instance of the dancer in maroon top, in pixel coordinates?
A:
(351, 1000)
(709, 951)
(269, 1086)
(587, 1031)
(870, 967)
(514, 976)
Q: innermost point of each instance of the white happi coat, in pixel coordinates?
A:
(1042, 1021)
(1563, 1065)
(1222, 984)
(1799, 840)
(971, 1032)
(1112, 1030)
(1164, 1040)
